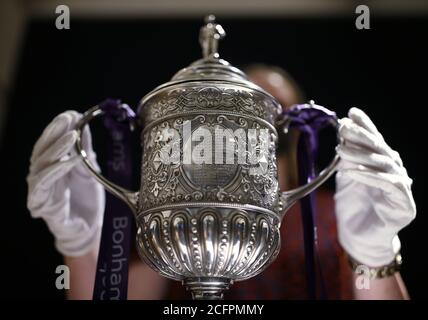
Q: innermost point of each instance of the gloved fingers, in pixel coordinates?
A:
(354, 134)
(363, 120)
(59, 126)
(51, 205)
(396, 156)
(74, 237)
(379, 162)
(388, 182)
(373, 195)
(57, 151)
(87, 198)
(41, 184)
(395, 205)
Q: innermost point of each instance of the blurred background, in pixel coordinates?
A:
(123, 49)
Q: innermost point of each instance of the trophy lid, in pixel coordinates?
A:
(211, 67)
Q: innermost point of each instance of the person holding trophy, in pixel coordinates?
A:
(372, 203)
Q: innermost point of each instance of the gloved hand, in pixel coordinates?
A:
(373, 193)
(62, 191)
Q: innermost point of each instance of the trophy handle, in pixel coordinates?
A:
(288, 198)
(130, 197)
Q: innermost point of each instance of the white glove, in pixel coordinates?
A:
(62, 191)
(373, 193)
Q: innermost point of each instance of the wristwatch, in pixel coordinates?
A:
(377, 272)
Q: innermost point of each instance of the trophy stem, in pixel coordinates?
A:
(207, 288)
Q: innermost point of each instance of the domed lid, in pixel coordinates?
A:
(210, 67)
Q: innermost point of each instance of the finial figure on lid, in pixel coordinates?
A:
(209, 36)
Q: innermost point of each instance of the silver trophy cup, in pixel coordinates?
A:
(208, 224)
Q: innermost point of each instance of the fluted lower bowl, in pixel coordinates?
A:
(208, 248)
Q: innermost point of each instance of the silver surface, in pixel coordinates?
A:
(207, 225)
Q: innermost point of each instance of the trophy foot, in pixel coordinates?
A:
(207, 288)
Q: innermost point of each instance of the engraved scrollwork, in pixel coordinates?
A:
(209, 97)
(176, 182)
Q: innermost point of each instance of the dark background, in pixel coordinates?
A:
(382, 70)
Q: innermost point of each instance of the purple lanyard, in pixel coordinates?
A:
(111, 280)
(309, 119)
